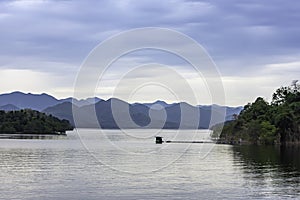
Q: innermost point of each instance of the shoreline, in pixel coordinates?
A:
(22, 133)
(247, 143)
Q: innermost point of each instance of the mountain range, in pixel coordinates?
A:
(158, 114)
(38, 102)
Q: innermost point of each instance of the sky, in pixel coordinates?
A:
(254, 44)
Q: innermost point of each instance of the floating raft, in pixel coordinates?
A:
(201, 141)
(159, 140)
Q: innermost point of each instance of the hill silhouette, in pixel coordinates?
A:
(33, 122)
(158, 114)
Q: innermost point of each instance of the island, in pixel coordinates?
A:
(263, 123)
(29, 121)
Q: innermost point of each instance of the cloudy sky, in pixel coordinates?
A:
(255, 45)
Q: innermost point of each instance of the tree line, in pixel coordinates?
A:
(266, 123)
(31, 121)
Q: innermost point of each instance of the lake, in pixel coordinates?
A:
(127, 164)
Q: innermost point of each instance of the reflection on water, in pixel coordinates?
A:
(274, 170)
(63, 169)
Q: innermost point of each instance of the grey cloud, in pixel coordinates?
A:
(241, 36)
(71, 25)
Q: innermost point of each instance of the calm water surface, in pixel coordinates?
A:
(129, 165)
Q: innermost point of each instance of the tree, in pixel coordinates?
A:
(30, 121)
(287, 94)
(267, 133)
(264, 123)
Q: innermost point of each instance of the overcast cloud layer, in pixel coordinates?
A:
(254, 43)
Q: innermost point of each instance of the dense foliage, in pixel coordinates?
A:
(30, 121)
(261, 122)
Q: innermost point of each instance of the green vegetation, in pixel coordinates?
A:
(266, 123)
(30, 121)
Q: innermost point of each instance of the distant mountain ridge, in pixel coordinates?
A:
(32, 101)
(9, 107)
(81, 102)
(157, 104)
(40, 102)
(146, 115)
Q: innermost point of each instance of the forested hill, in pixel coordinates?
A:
(30, 121)
(261, 122)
